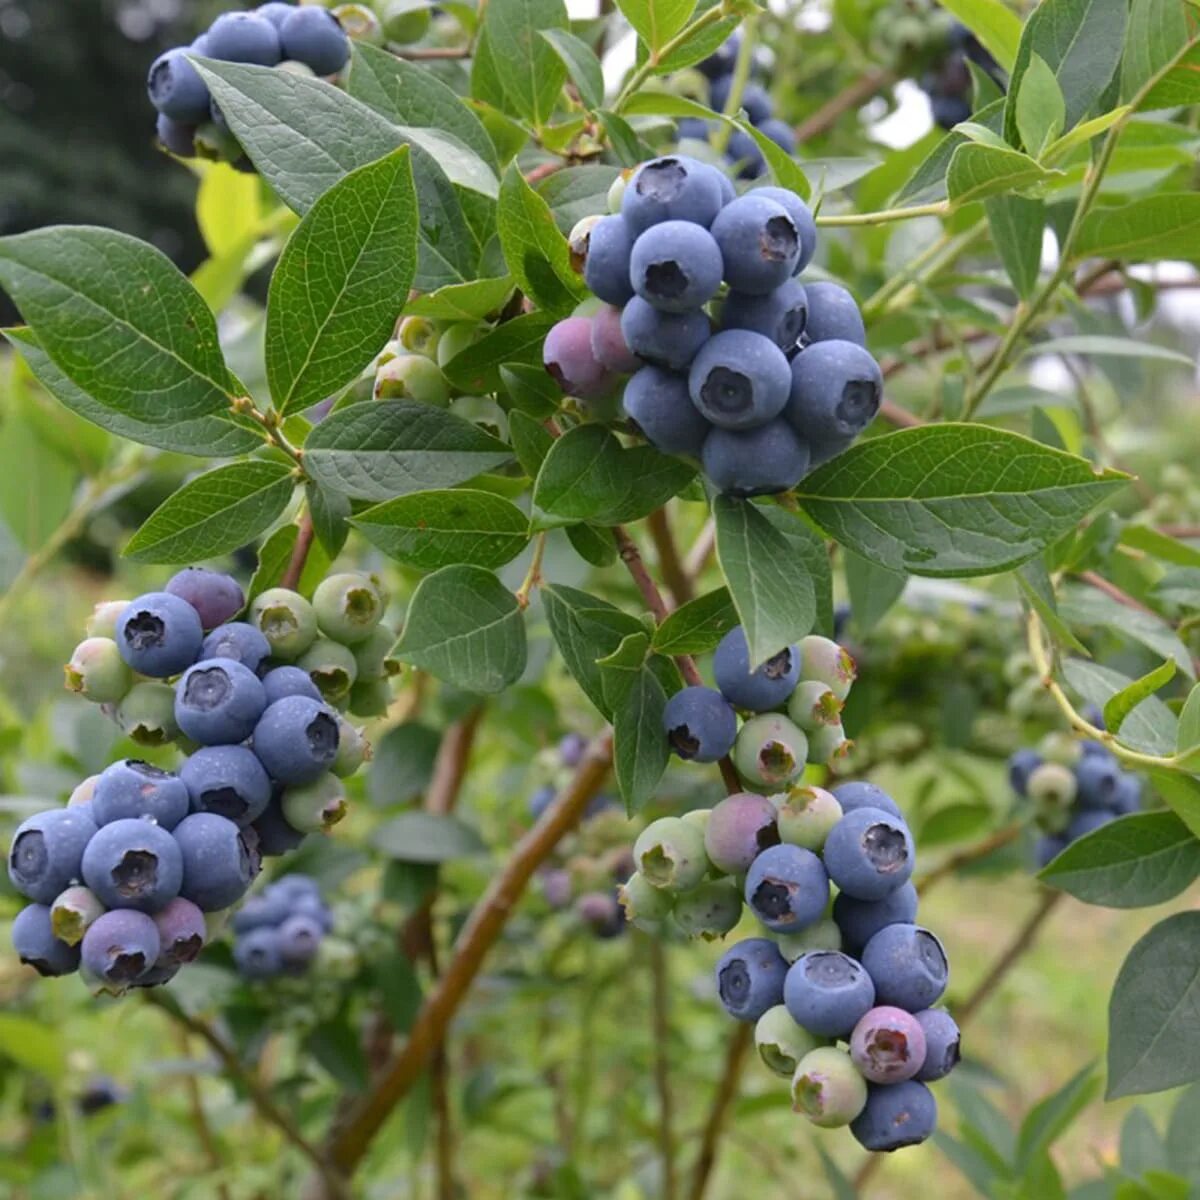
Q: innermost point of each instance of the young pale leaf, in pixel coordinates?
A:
(1153, 227)
(656, 21)
(582, 65)
(771, 587)
(465, 627)
(1041, 110)
(977, 172)
(529, 71)
(697, 627)
(1189, 723)
(1100, 346)
(640, 751)
(1157, 31)
(477, 369)
(1122, 703)
(454, 525)
(214, 513)
(1050, 1118)
(1152, 1012)
(952, 499)
(873, 590)
(117, 318)
(378, 450)
(697, 44)
(471, 301)
(1151, 727)
(1133, 862)
(342, 278)
(995, 24)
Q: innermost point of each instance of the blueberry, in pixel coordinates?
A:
(373, 655)
(719, 91)
(47, 852)
(133, 863)
(835, 392)
(739, 379)
(888, 1045)
(238, 640)
(579, 239)
(908, 966)
(833, 315)
(175, 137)
(227, 780)
(645, 905)
(861, 920)
(541, 800)
(699, 724)
(270, 908)
(353, 750)
(755, 462)
(672, 188)
(313, 36)
(759, 243)
(1098, 780)
(750, 978)
(762, 688)
(104, 618)
(827, 743)
(600, 912)
(218, 702)
(821, 452)
(827, 1088)
(120, 947)
(692, 127)
(159, 634)
(943, 1044)
(738, 830)
(36, 946)
(658, 404)
(1020, 766)
(1047, 848)
(744, 152)
(311, 904)
(802, 218)
(669, 340)
(904, 1114)
(770, 752)
(669, 853)
(332, 667)
(571, 749)
(710, 910)
(275, 835)
(814, 706)
(132, 788)
(244, 37)
(181, 933)
(806, 815)
(557, 887)
(315, 807)
(286, 620)
(569, 360)
(722, 60)
(860, 794)
(258, 955)
(675, 266)
(827, 992)
(289, 681)
(296, 739)
(780, 132)
(780, 314)
(787, 888)
(869, 853)
(218, 865)
(412, 377)
(1087, 822)
(1128, 798)
(757, 104)
(1052, 786)
(215, 596)
(147, 714)
(276, 12)
(299, 940)
(608, 342)
(606, 268)
(176, 89)
(781, 1043)
(949, 111)
(97, 672)
(72, 912)
(294, 886)
(826, 661)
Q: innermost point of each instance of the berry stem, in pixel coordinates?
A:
(637, 78)
(678, 581)
(722, 1105)
(870, 83)
(533, 577)
(884, 216)
(304, 541)
(969, 854)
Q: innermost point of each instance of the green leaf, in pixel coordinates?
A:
(1083, 132)
(34, 1046)
(952, 499)
(1050, 1118)
(465, 627)
(873, 590)
(577, 193)
(531, 390)
(697, 626)
(215, 513)
(1122, 703)
(1040, 109)
(993, 23)
(928, 181)
(1181, 793)
(1189, 723)
(640, 751)
(586, 629)
(1034, 581)
(811, 550)
(1133, 862)
(425, 837)
(657, 21)
(977, 171)
(771, 589)
(783, 167)
(1183, 1149)
(627, 147)
(273, 558)
(1157, 31)
(1151, 727)
(587, 476)
(1090, 606)
(619, 670)
(1160, 545)
(535, 250)
(118, 319)
(436, 528)
(378, 450)
(477, 369)
(1154, 227)
(530, 72)
(696, 45)
(36, 485)
(582, 65)
(594, 544)
(342, 278)
(1152, 1012)
(472, 301)
(1099, 345)
(1141, 1146)
(1017, 224)
(330, 512)
(531, 442)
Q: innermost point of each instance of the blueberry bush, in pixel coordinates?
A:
(620, 482)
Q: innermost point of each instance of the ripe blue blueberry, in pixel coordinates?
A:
(692, 127)
(218, 865)
(1020, 766)
(833, 315)
(888, 1045)
(271, 907)
(569, 360)
(658, 404)
(299, 940)
(861, 920)
(218, 702)
(827, 1088)
(672, 188)
(895, 1116)
(258, 954)
(540, 801)
(669, 340)
(176, 137)
(601, 914)
(723, 59)
(571, 749)
(755, 462)
(943, 1044)
(759, 687)
(289, 681)
(757, 104)
(759, 243)
(312, 35)
(217, 597)
(770, 752)
(310, 903)
(176, 89)
(1129, 794)
(36, 946)
(276, 12)
(181, 933)
(836, 390)
(1098, 779)
(296, 739)
(608, 342)
(739, 379)
(120, 947)
(738, 829)
(750, 978)
(780, 314)
(275, 835)
(676, 266)
(869, 853)
(244, 37)
(860, 794)
(133, 863)
(744, 152)
(780, 132)
(1087, 822)
(606, 268)
(1048, 847)
(827, 992)
(47, 851)
(132, 788)
(227, 780)
(286, 619)
(787, 888)
(699, 724)
(238, 640)
(908, 966)
(159, 634)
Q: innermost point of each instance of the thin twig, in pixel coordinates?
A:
(870, 83)
(200, 1118)
(542, 171)
(722, 1104)
(304, 541)
(1114, 593)
(661, 988)
(427, 53)
(968, 855)
(676, 576)
(702, 550)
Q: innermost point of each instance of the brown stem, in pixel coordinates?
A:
(968, 855)
(426, 53)
(542, 171)
(702, 550)
(304, 541)
(870, 83)
(1180, 531)
(1114, 593)
(722, 1104)
(678, 581)
(660, 985)
(199, 1117)
(898, 415)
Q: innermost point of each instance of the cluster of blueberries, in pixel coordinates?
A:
(279, 930)
(948, 84)
(307, 39)
(125, 878)
(1075, 787)
(792, 705)
(785, 383)
(861, 973)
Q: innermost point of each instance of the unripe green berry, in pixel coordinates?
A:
(374, 654)
(645, 905)
(1052, 785)
(616, 193)
(1017, 668)
(698, 817)
(348, 606)
(1059, 747)
(289, 66)
(97, 672)
(827, 1088)
(84, 792)
(457, 338)
(215, 923)
(419, 335)
(315, 807)
(147, 714)
(826, 661)
(820, 935)
(412, 377)
(72, 912)
(827, 744)
(103, 621)
(689, 83)
(709, 910)
(336, 959)
(360, 23)
(670, 854)
(770, 751)
(331, 667)
(578, 239)
(370, 698)
(781, 1042)
(806, 815)
(813, 705)
(285, 619)
(353, 749)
